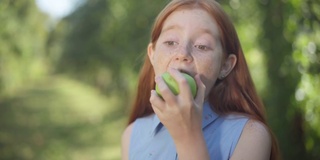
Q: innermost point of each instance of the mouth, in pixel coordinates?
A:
(186, 72)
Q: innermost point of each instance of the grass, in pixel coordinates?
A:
(61, 118)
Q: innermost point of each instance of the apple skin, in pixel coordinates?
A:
(173, 85)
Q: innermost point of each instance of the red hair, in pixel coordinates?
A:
(235, 93)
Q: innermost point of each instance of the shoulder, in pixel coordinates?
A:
(127, 133)
(254, 143)
(125, 142)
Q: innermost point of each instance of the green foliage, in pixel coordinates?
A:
(285, 65)
(105, 41)
(22, 38)
(307, 56)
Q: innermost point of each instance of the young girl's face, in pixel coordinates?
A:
(190, 42)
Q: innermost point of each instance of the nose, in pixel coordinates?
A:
(183, 54)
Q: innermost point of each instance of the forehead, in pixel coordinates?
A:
(194, 18)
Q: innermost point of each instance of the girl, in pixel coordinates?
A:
(225, 120)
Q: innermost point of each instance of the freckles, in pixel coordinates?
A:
(162, 57)
(162, 60)
(208, 78)
(210, 72)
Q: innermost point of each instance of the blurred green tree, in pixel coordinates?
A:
(279, 39)
(283, 24)
(283, 79)
(105, 43)
(45, 115)
(22, 50)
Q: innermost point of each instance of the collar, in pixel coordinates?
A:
(208, 116)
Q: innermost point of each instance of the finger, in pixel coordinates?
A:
(156, 102)
(184, 88)
(165, 91)
(200, 90)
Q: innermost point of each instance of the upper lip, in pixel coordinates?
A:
(186, 71)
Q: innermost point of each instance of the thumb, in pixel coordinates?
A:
(201, 89)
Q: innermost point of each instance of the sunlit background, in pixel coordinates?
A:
(68, 72)
(58, 9)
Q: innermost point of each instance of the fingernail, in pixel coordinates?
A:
(157, 78)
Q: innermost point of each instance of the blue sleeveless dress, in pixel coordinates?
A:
(150, 140)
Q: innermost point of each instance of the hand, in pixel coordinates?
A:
(180, 114)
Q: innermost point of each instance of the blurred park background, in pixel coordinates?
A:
(66, 83)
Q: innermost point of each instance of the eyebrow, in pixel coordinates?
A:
(171, 27)
(208, 31)
(202, 30)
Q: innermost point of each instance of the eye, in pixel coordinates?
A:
(170, 43)
(202, 47)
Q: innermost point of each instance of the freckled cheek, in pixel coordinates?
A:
(161, 61)
(209, 74)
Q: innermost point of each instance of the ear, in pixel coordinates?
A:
(228, 65)
(151, 52)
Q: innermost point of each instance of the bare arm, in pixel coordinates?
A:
(125, 142)
(254, 143)
(192, 147)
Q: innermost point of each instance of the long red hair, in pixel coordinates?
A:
(235, 93)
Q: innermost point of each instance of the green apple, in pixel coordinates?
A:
(173, 85)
